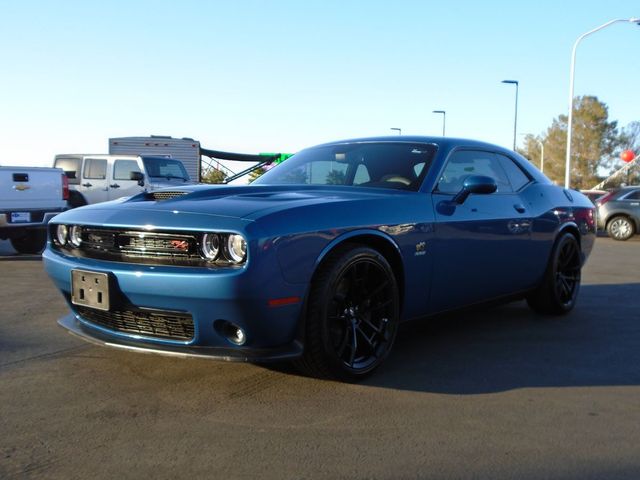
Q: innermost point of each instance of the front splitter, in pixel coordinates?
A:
(77, 328)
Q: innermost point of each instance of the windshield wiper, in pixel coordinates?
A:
(169, 177)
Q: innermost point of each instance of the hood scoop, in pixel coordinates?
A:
(165, 195)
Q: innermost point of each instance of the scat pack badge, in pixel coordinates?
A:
(421, 249)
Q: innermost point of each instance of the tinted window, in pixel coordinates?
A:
(464, 163)
(517, 177)
(95, 168)
(633, 195)
(373, 164)
(165, 167)
(122, 169)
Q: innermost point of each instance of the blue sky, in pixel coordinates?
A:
(256, 76)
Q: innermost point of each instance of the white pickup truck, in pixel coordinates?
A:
(29, 198)
(98, 178)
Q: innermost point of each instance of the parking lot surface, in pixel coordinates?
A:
(499, 393)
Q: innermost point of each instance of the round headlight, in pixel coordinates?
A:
(75, 235)
(237, 248)
(61, 234)
(210, 246)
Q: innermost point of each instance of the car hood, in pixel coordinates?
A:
(242, 202)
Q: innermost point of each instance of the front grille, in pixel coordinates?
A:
(145, 247)
(150, 323)
(149, 247)
(159, 196)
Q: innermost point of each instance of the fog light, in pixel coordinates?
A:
(237, 336)
(231, 332)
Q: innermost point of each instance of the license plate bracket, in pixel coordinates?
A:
(90, 289)
(20, 217)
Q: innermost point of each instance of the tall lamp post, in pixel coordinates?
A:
(541, 143)
(567, 170)
(515, 121)
(398, 129)
(444, 116)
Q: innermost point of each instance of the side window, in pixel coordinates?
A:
(517, 177)
(633, 195)
(464, 163)
(122, 169)
(362, 175)
(95, 168)
(418, 168)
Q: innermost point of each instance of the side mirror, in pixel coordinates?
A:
(478, 184)
(71, 174)
(137, 176)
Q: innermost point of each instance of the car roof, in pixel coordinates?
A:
(442, 141)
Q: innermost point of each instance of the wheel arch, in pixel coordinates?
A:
(571, 228)
(611, 216)
(376, 240)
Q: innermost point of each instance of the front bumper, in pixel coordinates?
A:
(241, 297)
(77, 328)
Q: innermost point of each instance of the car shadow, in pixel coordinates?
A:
(510, 347)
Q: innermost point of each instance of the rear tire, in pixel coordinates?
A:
(32, 242)
(352, 315)
(620, 228)
(559, 289)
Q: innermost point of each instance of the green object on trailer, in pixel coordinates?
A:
(279, 157)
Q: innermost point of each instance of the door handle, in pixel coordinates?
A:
(519, 208)
(114, 185)
(87, 185)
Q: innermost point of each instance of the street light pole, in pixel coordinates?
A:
(444, 116)
(398, 129)
(567, 170)
(515, 121)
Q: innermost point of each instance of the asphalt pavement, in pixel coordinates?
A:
(497, 394)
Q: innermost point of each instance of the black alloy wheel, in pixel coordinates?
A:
(559, 290)
(352, 315)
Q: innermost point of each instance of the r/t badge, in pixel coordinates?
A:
(421, 249)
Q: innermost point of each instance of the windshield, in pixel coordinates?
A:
(165, 168)
(395, 165)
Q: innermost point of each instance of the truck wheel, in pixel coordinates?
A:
(352, 315)
(32, 242)
(76, 200)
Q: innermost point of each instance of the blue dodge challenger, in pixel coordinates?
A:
(321, 258)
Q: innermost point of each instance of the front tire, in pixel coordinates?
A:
(352, 315)
(559, 289)
(620, 228)
(32, 242)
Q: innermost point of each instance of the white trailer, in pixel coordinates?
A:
(187, 150)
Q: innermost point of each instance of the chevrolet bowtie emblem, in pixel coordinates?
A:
(21, 187)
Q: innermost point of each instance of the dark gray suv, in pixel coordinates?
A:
(619, 212)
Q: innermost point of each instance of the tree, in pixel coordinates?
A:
(257, 173)
(596, 141)
(631, 140)
(336, 177)
(214, 175)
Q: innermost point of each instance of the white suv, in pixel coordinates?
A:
(98, 178)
